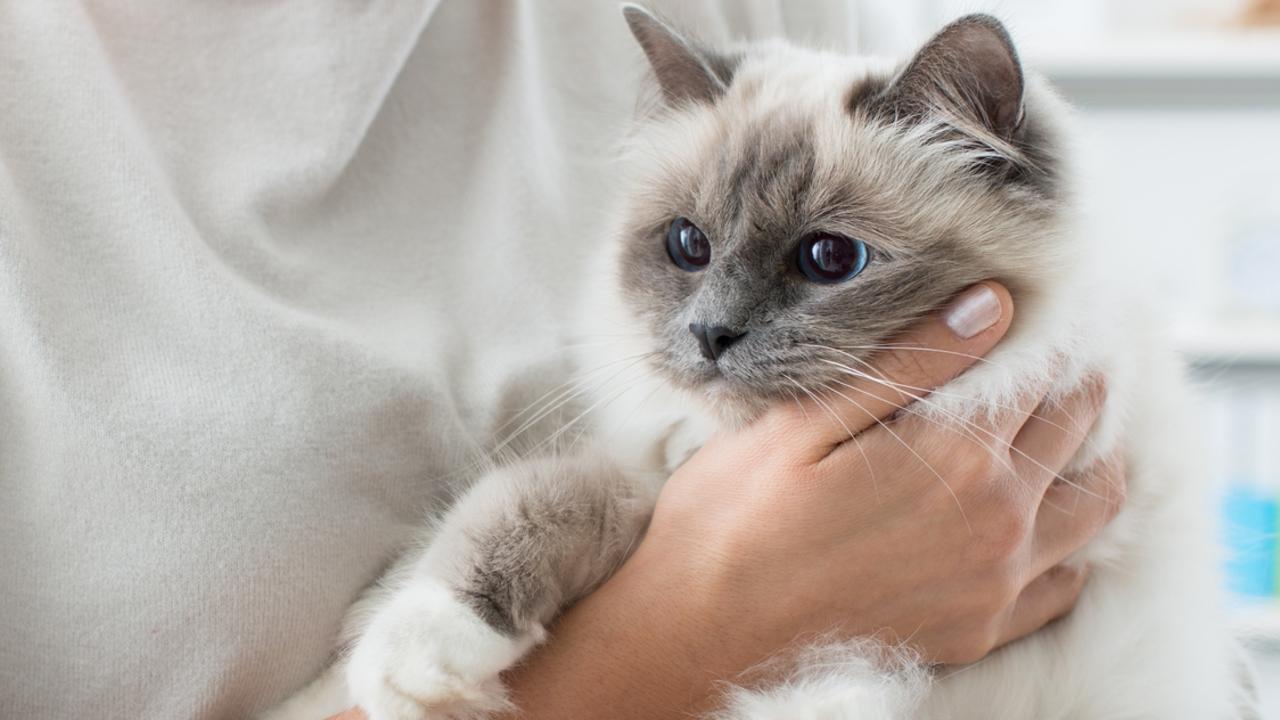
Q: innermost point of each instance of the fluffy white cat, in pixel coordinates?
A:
(786, 209)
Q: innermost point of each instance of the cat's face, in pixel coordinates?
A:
(793, 211)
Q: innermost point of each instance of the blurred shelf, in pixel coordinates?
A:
(1235, 66)
(1245, 343)
(1239, 53)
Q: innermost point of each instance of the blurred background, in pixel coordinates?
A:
(1180, 108)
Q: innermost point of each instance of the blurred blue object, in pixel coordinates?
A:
(1252, 522)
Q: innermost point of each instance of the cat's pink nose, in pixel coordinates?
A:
(714, 340)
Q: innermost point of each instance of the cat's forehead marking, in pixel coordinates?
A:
(778, 160)
(763, 173)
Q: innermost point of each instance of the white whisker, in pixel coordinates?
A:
(912, 450)
(944, 393)
(971, 429)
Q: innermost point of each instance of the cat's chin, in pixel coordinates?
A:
(728, 404)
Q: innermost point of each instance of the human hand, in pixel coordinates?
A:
(781, 530)
(948, 538)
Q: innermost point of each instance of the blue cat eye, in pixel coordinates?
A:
(687, 245)
(829, 258)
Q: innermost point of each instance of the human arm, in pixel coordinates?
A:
(787, 528)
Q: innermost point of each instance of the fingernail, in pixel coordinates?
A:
(977, 309)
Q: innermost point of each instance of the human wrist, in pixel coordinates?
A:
(644, 645)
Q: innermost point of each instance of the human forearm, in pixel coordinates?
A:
(640, 647)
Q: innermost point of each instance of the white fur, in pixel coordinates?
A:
(836, 680)
(423, 655)
(427, 652)
(1147, 639)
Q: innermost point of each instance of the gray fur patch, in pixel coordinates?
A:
(969, 73)
(560, 527)
(684, 69)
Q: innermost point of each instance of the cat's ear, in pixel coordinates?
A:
(969, 68)
(685, 72)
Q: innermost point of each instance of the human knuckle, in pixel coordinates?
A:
(1009, 526)
(1070, 577)
(1003, 534)
(1065, 572)
(975, 464)
(974, 646)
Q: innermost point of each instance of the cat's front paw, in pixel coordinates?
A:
(427, 656)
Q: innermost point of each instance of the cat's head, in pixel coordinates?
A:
(792, 209)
